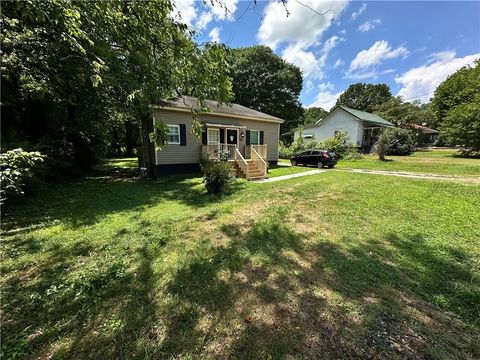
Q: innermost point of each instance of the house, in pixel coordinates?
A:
(361, 127)
(426, 135)
(246, 137)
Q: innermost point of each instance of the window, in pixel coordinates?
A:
(213, 136)
(173, 136)
(254, 137)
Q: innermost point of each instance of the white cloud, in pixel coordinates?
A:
(343, 31)
(325, 98)
(184, 11)
(419, 83)
(204, 20)
(303, 26)
(378, 52)
(224, 9)
(309, 86)
(310, 65)
(369, 74)
(214, 34)
(362, 8)
(305, 60)
(338, 63)
(369, 25)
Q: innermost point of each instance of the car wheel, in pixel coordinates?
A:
(320, 165)
(293, 162)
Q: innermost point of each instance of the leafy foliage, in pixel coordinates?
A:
(456, 105)
(312, 115)
(265, 82)
(461, 125)
(339, 143)
(216, 175)
(18, 171)
(89, 70)
(394, 141)
(404, 114)
(459, 88)
(365, 97)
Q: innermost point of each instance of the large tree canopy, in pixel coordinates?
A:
(365, 97)
(74, 71)
(312, 115)
(403, 114)
(456, 103)
(265, 82)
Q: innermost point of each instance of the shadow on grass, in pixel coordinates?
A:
(376, 299)
(86, 201)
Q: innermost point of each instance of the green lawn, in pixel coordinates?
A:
(332, 265)
(427, 161)
(123, 163)
(283, 168)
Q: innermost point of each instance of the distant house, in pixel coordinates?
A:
(427, 135)
(246, 137)
(361, 127)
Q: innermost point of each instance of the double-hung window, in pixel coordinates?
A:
(213, 136)
(254, 137)
(173, 136)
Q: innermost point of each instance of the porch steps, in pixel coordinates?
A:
(254, 173)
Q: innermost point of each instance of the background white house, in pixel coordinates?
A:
(361, 127)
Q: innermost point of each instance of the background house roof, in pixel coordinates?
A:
(214, 107)
(365, 116)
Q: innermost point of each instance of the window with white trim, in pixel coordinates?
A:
(254, 137)
(173, 136)
(213, 136)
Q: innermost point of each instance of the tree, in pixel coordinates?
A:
(71, 69)
(365, 97)
(312, 115)
(459, 88)
(265, 82)
(461, 126)
(404, 114)
(456, 104)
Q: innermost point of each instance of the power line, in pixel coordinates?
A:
(417, 96)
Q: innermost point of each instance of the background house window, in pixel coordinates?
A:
(173, 136)
(213, 136)
(254, 137)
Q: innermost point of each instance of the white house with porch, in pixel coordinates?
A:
(361, 127)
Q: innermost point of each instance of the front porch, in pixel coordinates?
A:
(250, 163)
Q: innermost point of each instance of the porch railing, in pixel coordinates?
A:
(242, 163)
(226, 151)
(259, 162)
(260, 149)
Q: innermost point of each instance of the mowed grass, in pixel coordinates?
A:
(438, 161)
(334, 265)
(283, 168)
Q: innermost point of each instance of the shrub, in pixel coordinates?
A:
(339, 143)
(216, 175)
(394, 141)
(19, 171)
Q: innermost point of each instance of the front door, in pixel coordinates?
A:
(232, 137)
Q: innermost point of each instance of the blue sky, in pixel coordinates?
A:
(412, 46)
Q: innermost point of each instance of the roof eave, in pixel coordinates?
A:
(245, 117)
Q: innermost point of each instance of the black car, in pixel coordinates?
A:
(319, 158)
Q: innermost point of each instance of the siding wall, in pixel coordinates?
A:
(338, 120)
(191, 153)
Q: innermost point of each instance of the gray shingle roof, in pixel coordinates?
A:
(214, 107)
(365, 116)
